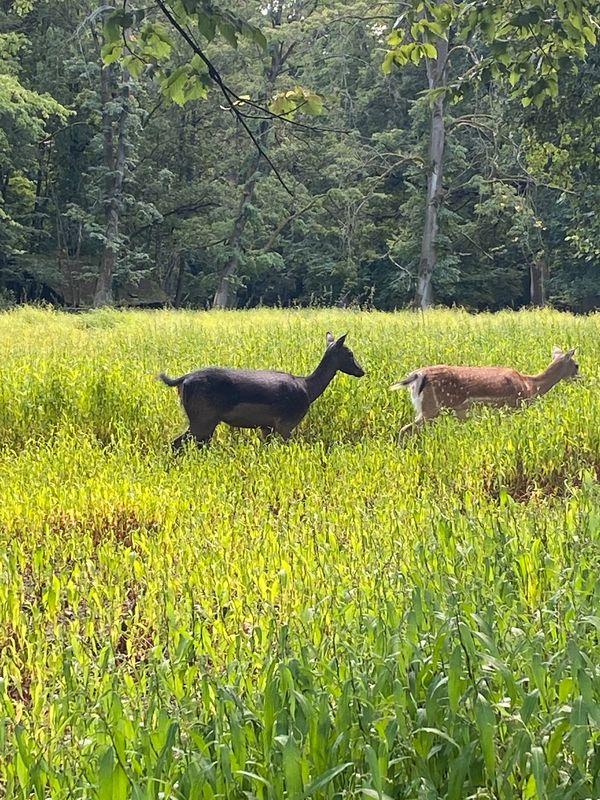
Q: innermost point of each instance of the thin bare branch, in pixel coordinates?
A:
(285, 222)
(227, 93)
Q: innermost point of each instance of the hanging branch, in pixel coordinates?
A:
(227, 93)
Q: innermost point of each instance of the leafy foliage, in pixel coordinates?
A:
(154, 45)
(331, 616)
(528, 47)
(519, 186)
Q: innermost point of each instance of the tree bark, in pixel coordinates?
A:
(179, 288)
(437, 79)
(115, 162)
(225, 294)
(537, 273)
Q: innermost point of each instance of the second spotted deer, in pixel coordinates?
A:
(441, 387)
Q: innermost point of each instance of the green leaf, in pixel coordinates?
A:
(374, 768)
(416, 54)
(253, 776)
(206, 25)
(530, 704)
(253, 34)
(173, 85)
(292, 770)
(23, 745)
(485, 719)
(440, 733)
(434, 27)
(157, 46)
(194, 89)
(579, 734)
(325, 778)
(403, 54)
(576, 21)
(198, 65)
(555, 742)
(457, 774)
(537, 768)
(374, 794)
(110, 52)
(313, 105)
(388, 62)
(111, 30)
(395, 38)
(228, 32)
(105, 775)
(135, 66)
(442, 13)
(455, 678)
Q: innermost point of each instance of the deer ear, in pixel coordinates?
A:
(341, 340)
(556, 352)
(571, 352)
(329, 338)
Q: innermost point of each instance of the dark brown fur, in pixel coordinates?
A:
(265, 399)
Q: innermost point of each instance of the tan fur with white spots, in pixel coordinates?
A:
(441, 387)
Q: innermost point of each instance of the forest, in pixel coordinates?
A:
(300, 152)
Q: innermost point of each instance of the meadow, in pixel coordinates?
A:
(333, 617)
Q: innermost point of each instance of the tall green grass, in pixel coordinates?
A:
(335, 617)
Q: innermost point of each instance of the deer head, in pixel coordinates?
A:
(341, 356)
(565, 361)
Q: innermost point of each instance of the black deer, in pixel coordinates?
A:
(265, 399)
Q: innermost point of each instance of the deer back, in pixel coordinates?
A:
(222, 389)
(452, 387)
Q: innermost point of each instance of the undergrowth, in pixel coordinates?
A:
(334, 617)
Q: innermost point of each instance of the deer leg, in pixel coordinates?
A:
(202, 431)
(411, 427)
(178, 443)
(461, 413)
(418, 423)
(267, 433)
(285, 432)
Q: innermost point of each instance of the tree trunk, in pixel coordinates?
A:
(4, 184)
(179, 287)
(114, 165)
(225, 294)
(437, 78)
(226, 291)
(37, 221)
(537, 294)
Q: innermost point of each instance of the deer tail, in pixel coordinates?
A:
(415, 377)
(171, 381)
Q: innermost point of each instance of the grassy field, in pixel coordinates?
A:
(336, 617)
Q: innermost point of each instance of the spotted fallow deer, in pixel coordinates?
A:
(438, 388)
(273, 401)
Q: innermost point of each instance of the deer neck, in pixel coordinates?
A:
(545, 380)
(319, 380)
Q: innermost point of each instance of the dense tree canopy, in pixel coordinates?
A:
(299, 152)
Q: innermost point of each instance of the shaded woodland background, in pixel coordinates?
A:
(115, 188)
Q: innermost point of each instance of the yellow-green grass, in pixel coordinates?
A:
(333, 617)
